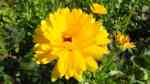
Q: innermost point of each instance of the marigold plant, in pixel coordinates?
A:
(73, 38)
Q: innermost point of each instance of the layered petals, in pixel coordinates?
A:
(74, 39)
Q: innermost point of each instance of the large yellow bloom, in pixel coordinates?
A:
(74, 39)
(123, 40)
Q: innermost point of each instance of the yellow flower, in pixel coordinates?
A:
(98, 9)
(123, 40)
(74, 39)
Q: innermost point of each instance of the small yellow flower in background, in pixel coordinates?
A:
(123, 40)
(74, 39)
(98, 9)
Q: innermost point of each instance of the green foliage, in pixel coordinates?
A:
(19, 18)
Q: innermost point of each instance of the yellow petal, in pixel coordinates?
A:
(129, 45)
(55, 74)
(43, 54)
(96, 51)
(91, 63)
(78, 77)
(98, 9)
(63, 62)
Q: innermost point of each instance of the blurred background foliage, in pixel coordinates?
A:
(19, 18)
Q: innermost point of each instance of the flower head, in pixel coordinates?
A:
(98, 9)
(74, 39)
(123, 40)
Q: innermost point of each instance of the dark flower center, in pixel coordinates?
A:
(67, 39)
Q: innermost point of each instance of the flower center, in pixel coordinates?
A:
(67, 39)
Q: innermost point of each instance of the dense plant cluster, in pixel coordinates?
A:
(19, 19)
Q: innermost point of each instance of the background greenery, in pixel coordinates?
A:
(19, 18)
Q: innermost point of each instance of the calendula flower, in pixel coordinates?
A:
(74, 39)
(98, 9)
(123, 40)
